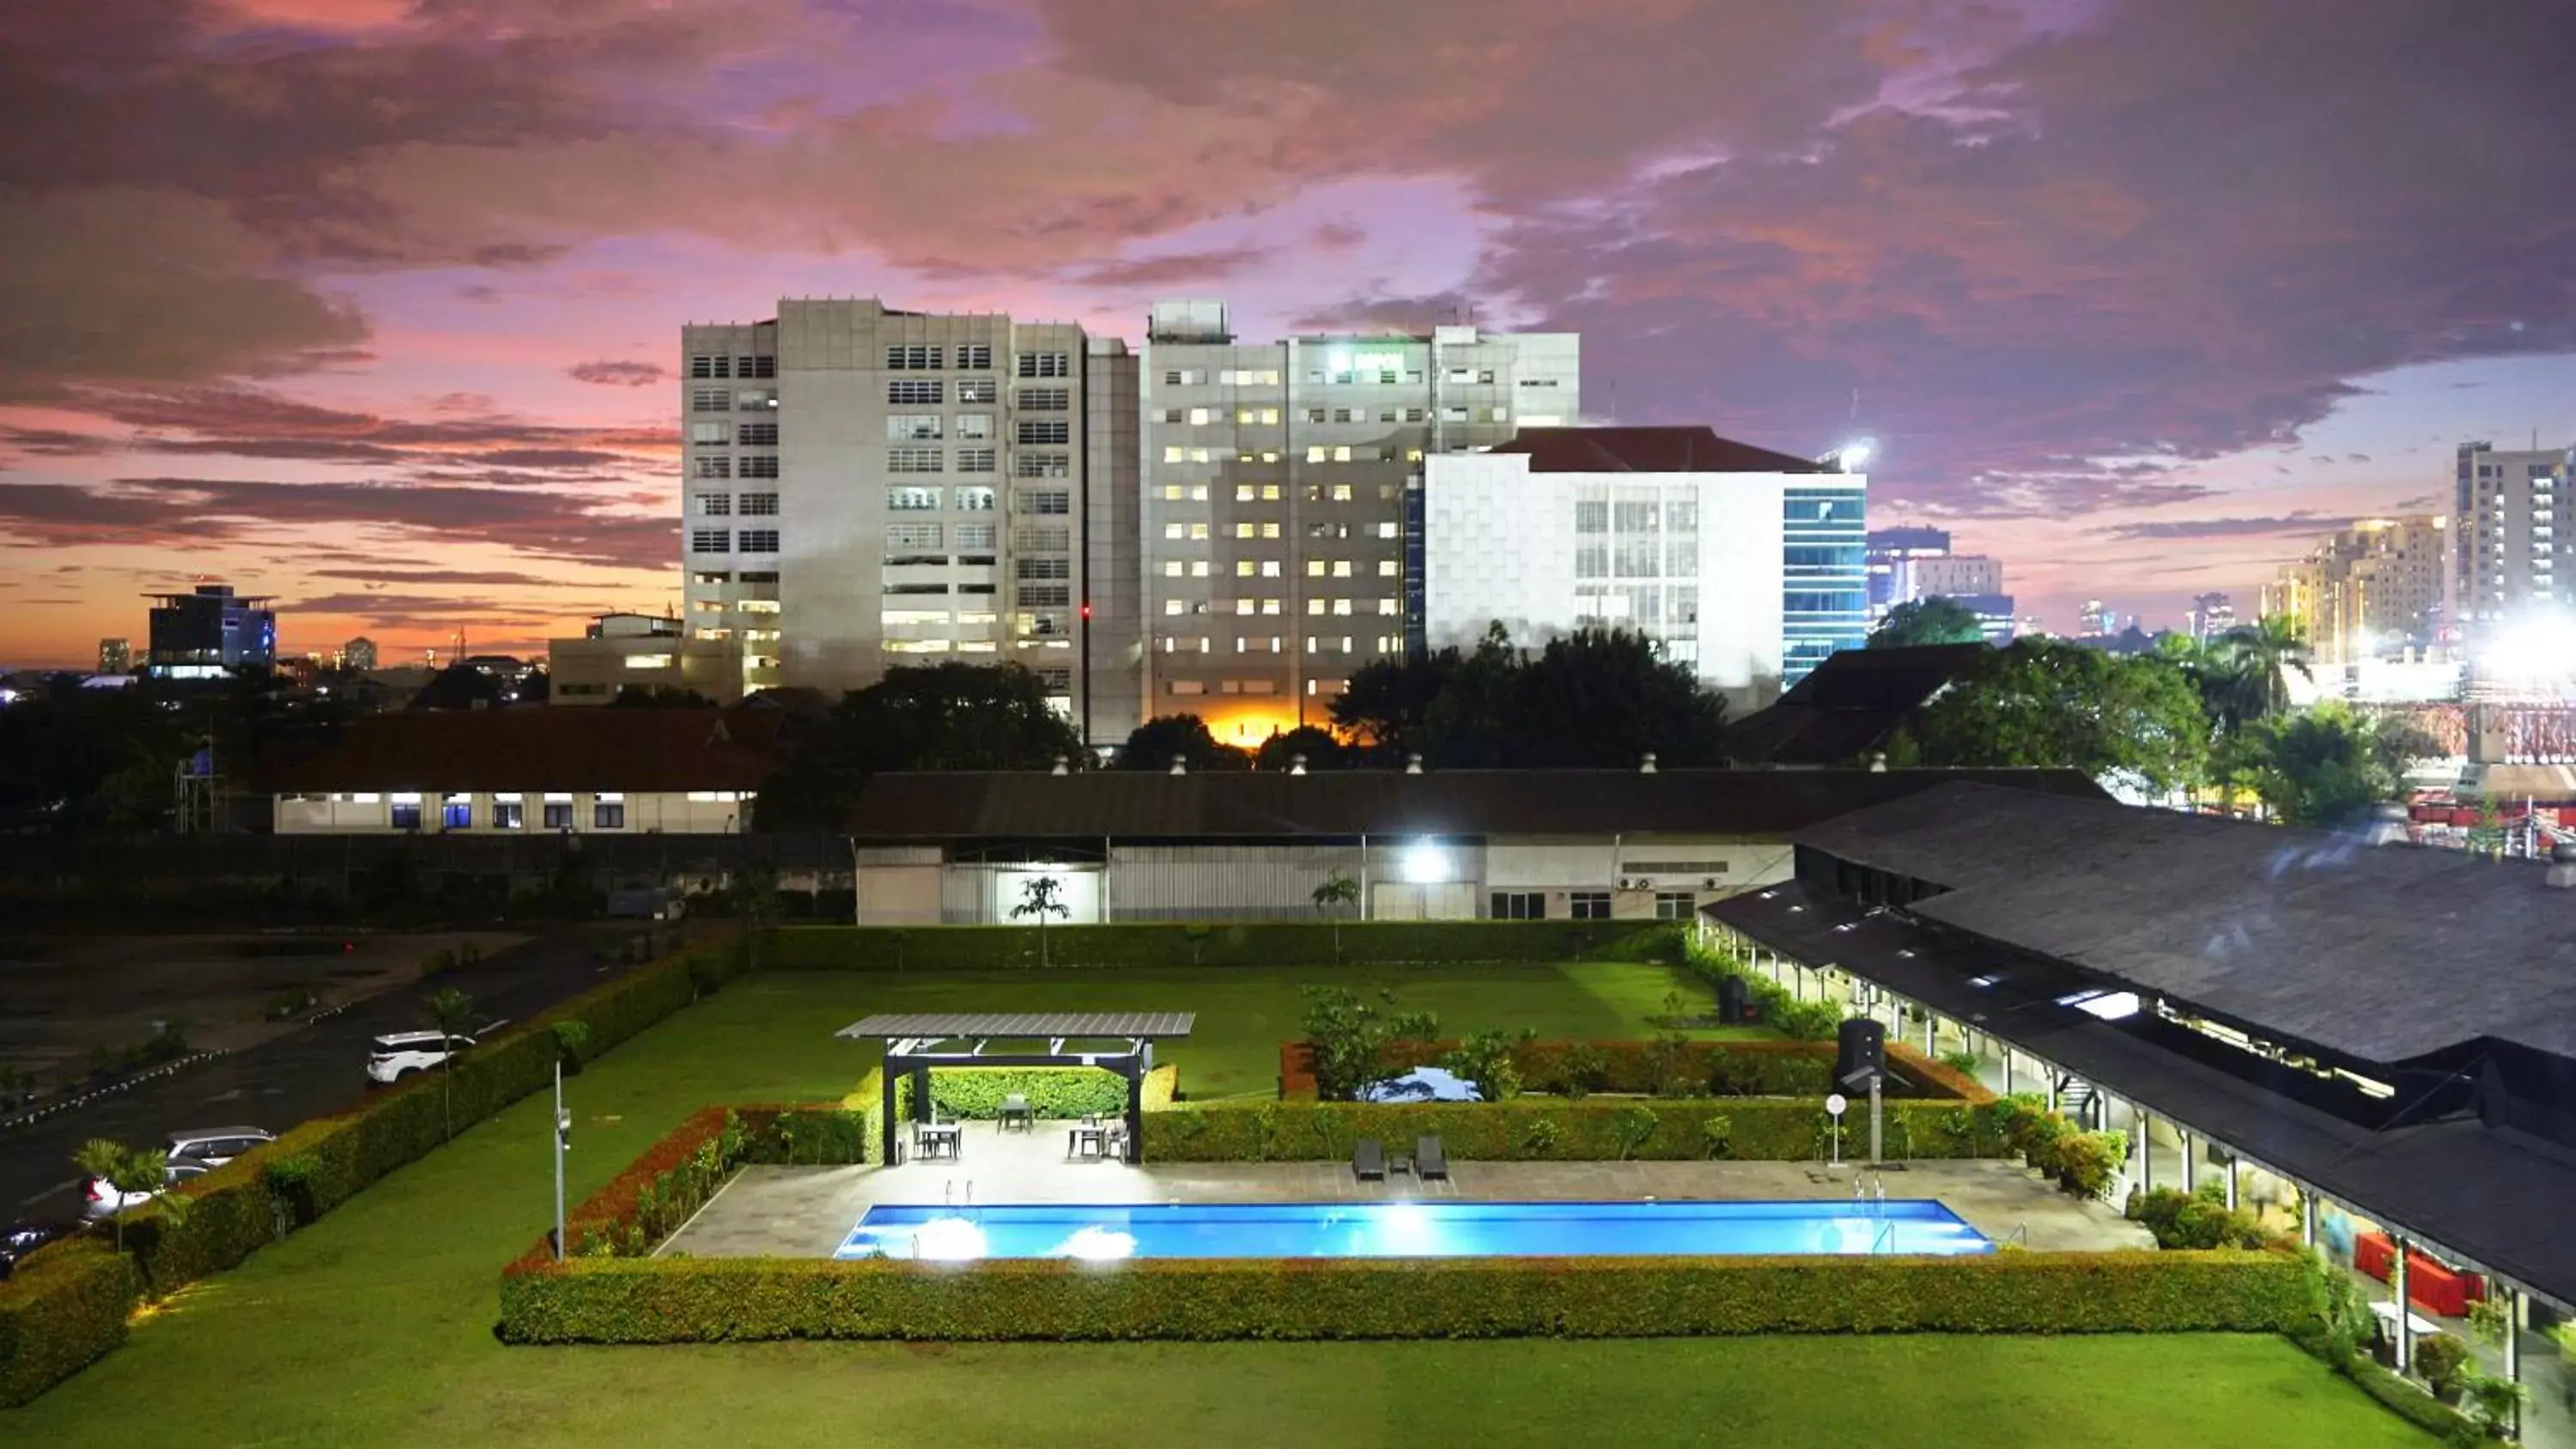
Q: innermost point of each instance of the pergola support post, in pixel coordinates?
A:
(2190, 1167)
(888, 1138)
(2307, 1217)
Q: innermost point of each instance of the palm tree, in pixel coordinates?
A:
(1337, 890)
(107, 1161)
(1042, 897)
(2261, 656)
(451, 1014)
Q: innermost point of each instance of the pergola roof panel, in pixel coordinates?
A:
(1019, 1025)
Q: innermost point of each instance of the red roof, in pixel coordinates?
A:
(549, 748)
(1648, 450)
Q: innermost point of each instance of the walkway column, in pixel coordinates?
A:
(2397, 1281)
(2232, 1160)
(2190, 1162)
(2513, 1301)
(2146, 1147)
(2307, 1216)
(885, 1117)
(1931, 1025)
(2008, 1069)
(2052, 1088)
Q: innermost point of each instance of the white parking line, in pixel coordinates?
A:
(48, 1192)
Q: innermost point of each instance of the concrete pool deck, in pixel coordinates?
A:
(806, 1212)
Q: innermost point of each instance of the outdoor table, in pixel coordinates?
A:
(1016, 1108)
(1086, 1142)
(933, 1140)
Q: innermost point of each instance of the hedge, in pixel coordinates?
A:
(1061, 1093)
(1817, 1020)
(1765, 1129)
(1269, 943)
(262, 1195)
(1708, 1068)
(697, 1300)
(64, 1307)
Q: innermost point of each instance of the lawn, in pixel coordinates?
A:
(375, 1325)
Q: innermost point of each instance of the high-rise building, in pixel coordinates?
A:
(1890, 547)
(358, 655)
(115, 656)
(205, 633)
(2514, 549)
(1735, 559)
(2211, 616)
(1947, 576)
(1281, 496)
(2094, 621)
(867, 488)
(2368, 592)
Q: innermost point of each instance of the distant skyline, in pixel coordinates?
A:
(373, 306)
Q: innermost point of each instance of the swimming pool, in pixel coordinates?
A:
(1407, 1230)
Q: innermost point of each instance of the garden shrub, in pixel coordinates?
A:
(1778, 1008)
(666, 1300)
(1485, 1059)
(64, 1307)
(235, 1209)
(2195, 1220)
(1538, 1128)
(975, 1093)
(2443, 1359)
(1259, 943)
(1574, 1069)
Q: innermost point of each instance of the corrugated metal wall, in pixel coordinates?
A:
(1226, 882)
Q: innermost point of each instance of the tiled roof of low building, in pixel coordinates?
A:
(1695, 449)
(541, 748)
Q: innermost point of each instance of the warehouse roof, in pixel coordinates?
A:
(2495, 1195)
(540, 748)
(2384, 953)
(1648, 450)
(1852, 703)
(1270, 805)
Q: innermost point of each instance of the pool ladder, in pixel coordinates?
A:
(949, 1194)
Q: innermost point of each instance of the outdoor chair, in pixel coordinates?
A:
(1015, 1108)
(1430, 1159)
(1368, 1160)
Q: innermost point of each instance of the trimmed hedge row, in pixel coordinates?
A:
(1784, 1012)
(1573, 1069)
(976, 1093)
(1754, 1129)
(63, 1308)
(263, 1195)
(704, 1300)
(1266, 943)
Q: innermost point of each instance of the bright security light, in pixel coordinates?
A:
(2538, 647)
(1426, 864)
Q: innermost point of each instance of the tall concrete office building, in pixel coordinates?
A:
(2514, 539)
(1279, 520)
(2371, 591)
(867, 488)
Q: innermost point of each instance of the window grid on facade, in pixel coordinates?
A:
(759, 505)
(757, 540)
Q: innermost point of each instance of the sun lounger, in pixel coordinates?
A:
(1430, 1159)
(1368, 1160)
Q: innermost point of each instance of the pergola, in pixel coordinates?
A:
(1117, 1041)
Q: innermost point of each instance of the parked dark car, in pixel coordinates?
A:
(19, 1239)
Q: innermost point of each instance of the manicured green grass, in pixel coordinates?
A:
(375, 1325)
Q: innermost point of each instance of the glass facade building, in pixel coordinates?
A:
(1824, 574)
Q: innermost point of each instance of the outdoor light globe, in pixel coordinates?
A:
(1426, 865)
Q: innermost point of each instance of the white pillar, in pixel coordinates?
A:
(2146, 1147)
(2190, 1166)
(2008, 1070)
(2307, 1216)
(2232, 1160)
(1931, 1025)
(2397, 1281)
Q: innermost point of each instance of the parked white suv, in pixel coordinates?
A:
(397, 1055)
(215, 1146)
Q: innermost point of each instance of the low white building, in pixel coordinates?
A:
(643, 651)
(1745, 564)
(959, 848)
(521, 771)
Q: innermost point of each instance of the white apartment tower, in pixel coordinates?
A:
(866, 488)
(2514, 536)
(1281, 502)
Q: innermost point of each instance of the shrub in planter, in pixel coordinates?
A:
(2088, 1163)
(2442, 1359)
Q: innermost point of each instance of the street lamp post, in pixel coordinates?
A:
(563, 1144)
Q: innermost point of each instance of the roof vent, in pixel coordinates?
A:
(1296, 764)
(1180, 764)
(2562, 865)
(2387, 824)
(1413, 764)
(1646, 766)
(1063, 766)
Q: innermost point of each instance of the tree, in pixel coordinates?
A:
(1154, 744)
(1348, 1041)
(659, 696)
(1600, 698)
(1321, 749)
(1042, 897)
(450, 1013)
(458, 686)
(109, 1162)
(1934, 620)
(2254, 663)
(2048, 703)
(2324, 766)
(1337, 890)
(951, 716)
(753, 893)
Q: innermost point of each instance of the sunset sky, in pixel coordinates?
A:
(372, 305)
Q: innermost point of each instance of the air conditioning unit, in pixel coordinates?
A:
(1633, 882)
(1709, 884)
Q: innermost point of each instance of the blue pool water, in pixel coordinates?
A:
(1407, 1230)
